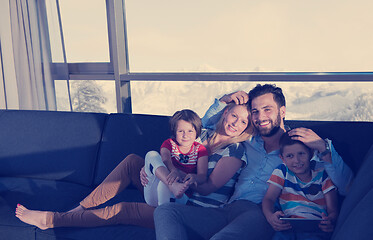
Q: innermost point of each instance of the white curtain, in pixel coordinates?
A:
(25, 63)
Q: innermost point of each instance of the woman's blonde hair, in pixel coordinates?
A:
(246, 134)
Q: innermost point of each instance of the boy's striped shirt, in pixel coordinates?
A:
(299, 199)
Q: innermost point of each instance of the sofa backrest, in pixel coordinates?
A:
(67, 146)
(50, 145)
(129, 133)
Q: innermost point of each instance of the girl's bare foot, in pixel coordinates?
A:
(77, 209)
(32, 217)
(178, 189)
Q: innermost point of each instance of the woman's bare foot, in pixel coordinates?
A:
(178, 189)
(77, 209)
(32, 217)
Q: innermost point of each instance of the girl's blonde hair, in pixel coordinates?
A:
(245, 135)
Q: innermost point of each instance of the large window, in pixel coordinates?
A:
(250, 36)
(161, 56)
(313, 41)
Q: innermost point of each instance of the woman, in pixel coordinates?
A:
(226, 156)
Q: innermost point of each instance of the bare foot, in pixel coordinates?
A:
(77, 209)
(178, 189)
(32, 217)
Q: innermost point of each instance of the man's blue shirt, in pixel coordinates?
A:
(252, 182)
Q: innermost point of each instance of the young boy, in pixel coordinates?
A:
(302, 193)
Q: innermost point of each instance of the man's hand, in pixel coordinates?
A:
(308, 137)
(239, 97)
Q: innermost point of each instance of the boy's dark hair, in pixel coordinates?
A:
(260, 90)
(286, 140)
(188, 116)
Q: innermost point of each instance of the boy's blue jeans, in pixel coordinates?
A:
(239, 220)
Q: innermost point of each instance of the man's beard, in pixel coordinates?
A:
(272, 131)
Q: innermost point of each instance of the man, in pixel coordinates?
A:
(242, 217)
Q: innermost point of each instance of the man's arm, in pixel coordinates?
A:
(341, 174)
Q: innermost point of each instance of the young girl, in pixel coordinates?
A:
(182, 161)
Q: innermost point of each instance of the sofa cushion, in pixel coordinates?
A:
(358, 224)
(50, 145)
(17, 232)
(106, 232)
(35, 194)
(116, 232)
(125, 134)
(155, 128)
(361, 187)
(39, 194)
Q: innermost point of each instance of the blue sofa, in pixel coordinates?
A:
(52, 160)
